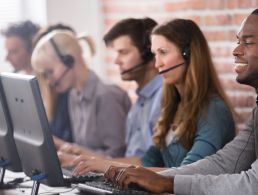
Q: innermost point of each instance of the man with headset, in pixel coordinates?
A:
(136, 62)
(19, 45)
(97, 111)
(233, 169)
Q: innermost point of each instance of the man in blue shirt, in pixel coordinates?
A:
(136, 63)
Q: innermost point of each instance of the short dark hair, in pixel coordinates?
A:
(255, 12)
(137, 29)
(26, 30)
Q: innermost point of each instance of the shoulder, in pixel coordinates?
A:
(217, 106)
(216, 114)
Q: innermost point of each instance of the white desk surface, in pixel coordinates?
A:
(25, 187)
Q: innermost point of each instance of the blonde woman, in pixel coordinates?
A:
(58, 56)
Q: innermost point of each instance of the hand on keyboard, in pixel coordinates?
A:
(148, 179)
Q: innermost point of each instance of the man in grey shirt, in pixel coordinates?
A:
(233, 169)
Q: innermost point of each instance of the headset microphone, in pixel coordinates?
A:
(133, 68)
(53, 85)
(171, 68)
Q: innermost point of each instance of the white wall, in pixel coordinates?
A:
(83, 16)
(16, 11)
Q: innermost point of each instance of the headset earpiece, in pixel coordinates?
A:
(67, 60)
(146, 54)
(186, 54)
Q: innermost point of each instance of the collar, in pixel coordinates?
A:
(89, 88)
(151, 87)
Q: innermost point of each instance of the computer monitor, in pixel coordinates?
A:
(9, 158)
(31, 131)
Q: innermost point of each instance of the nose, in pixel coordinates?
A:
(117, 60)
(238, 50)
(7, 57)
(158, 62)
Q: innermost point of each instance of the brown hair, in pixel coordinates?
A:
(201, 82)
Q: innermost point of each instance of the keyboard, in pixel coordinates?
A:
(103, 187)
(88, 177)
(81, 179)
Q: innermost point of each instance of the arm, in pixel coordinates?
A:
(215, 128)
(111, 114)
(236, 156)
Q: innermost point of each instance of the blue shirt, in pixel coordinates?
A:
(215, 128)
(142, 118)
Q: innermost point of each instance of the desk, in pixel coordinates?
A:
(25, 188)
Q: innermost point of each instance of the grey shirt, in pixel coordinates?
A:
(98, 116)
(232, 170)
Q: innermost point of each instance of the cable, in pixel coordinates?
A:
(242, 151)
(53, 192)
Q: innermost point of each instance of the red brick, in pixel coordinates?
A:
(247, 3)
(243, 101)
(215, 35)
(221, 51)
(217, 4)
(223, 67)
(218, 20)
(238, 18)
(232, 4)
(182, 5)
(231, 84)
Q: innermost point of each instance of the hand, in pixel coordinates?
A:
(83, 164)
(58, 142)
(66, 160)
(143, 177)
(71, 148)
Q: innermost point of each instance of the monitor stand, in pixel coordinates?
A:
(3, 165)
(36, 178)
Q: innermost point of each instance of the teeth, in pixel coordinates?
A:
(241, 64)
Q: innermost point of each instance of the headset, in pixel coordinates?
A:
(66, 59)
(186, 53)
(146, 53)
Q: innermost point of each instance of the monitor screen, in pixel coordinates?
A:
(30, 125)
(9, 157)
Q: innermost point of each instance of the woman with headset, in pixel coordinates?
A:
(196, 118)
(97, 111)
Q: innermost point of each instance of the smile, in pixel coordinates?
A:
(240, 67)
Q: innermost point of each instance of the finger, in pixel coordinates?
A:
(128, 180)
(79, 168)
(108, 173)
(126, 173)
(118, 176)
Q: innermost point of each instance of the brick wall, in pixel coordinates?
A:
(218, 19)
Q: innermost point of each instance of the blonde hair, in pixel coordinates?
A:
(44, 52)
(201, 82)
